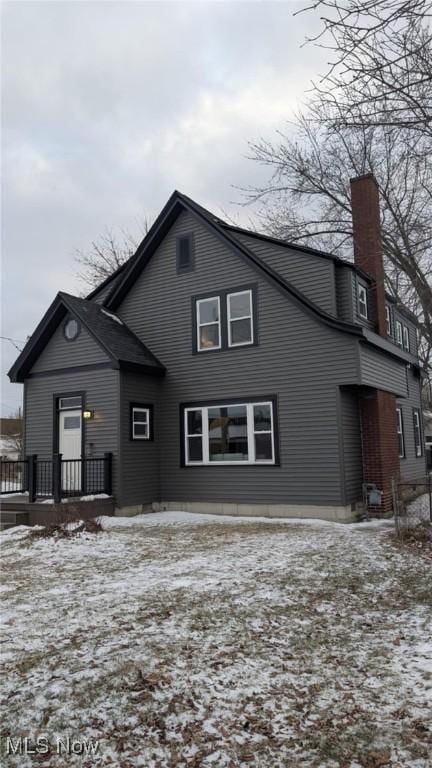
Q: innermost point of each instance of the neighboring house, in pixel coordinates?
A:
(10, 438)
(227, 371)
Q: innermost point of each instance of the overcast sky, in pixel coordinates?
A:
(109, 106)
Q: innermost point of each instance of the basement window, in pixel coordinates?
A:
(362, 301)
(400, 433)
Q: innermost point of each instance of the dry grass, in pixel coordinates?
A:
(264, 645)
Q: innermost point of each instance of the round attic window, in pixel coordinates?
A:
(71, 329)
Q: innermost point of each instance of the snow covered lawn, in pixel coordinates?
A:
(184, 640)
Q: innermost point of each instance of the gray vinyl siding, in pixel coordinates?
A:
(102, 294)
(298, 359)
(411, 330)
(411, 466)
(313, 275)
(352, 447)
(382, 371)
(60, 353)
(139, 482)
(101, 395)
(344, 294)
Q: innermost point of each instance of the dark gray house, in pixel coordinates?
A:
(230, 372)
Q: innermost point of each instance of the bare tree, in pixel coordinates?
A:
(381, 72)
(106, 254)
(307, 200)
(13, 432)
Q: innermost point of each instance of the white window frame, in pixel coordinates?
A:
(400, 431)
(213, 322)
(63, 405)
(418, 448)
(388, 320)
(146, 422)
(406, 339)
(399, 339)
(243, 317)
(362, 300)
(251, 432)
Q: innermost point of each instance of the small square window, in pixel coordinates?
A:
(184, 254)
(141, 422)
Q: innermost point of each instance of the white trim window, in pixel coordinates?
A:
(400, 433)
(406, 339)
(417, 434)
(398, 333)
(140, 423)
(362, 301)
(235, 433)
(208, 324)
(240, 319)
(388, 320)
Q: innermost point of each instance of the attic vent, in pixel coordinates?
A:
(71, 329)
(184, 254)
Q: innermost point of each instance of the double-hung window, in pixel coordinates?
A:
(231, 433)
(362, 301)
(141, 421)
(400, 433)
(226, 320)
(398, 333)
(417, 433)
(388, 320)
(208, 324)
(406, 339)
(240, 323)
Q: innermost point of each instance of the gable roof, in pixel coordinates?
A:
(175, 205)
(123, 348)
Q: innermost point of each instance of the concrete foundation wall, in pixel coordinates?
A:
(340, 514)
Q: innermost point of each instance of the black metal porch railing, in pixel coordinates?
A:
(57, 477)
(13, 476)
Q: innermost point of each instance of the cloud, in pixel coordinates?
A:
(109, 106)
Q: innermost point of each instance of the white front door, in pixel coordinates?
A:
(70, 447)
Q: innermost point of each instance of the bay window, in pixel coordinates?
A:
(231, 433)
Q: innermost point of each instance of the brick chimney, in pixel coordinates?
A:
(368, 244)
(377, 408)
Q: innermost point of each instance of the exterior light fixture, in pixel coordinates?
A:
(88, 415)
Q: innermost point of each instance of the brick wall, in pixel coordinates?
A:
(368, 244)
(379, 444)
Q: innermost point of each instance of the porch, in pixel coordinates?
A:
(56, 478)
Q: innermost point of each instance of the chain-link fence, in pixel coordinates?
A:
(412, 502)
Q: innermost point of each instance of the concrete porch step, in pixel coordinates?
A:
(10, 518)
